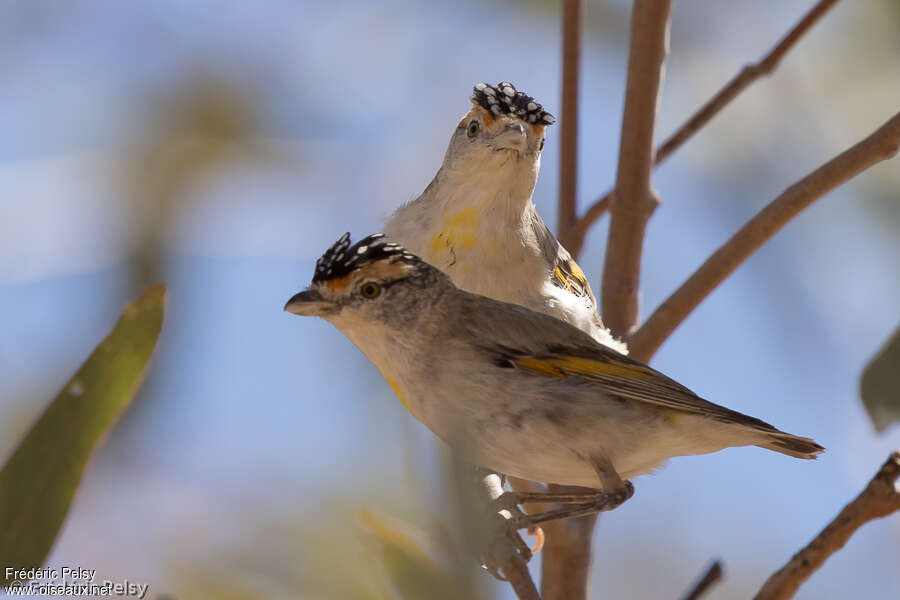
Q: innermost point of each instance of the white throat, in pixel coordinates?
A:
(500, 192)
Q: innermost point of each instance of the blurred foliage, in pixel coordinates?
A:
(38, 482)
(880, 384)
(201, 124)
(413, 572)
(350, 552)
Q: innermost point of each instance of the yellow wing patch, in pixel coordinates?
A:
(567, 274)
(563, 366)
(630, 379)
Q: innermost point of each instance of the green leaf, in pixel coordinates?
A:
(38, 482)
(413, 571)
(880, 384)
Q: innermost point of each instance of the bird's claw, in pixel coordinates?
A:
(505, 543)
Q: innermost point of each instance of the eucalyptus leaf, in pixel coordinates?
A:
(39, 480)
(415, 567)
(880, 385)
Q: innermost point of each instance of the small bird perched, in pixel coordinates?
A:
(515, 390)
(476, 221)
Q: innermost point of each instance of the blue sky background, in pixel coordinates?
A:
(258, 437)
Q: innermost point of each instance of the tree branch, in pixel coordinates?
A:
(748, 75)
(572, 236)
(516, 572)
(632, 199)
(712, 576)
(566, 561)
(567, 552)
(879, 499)
(568, 153)
(879, 146)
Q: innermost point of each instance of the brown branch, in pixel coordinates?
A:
(879, 499)
(879, 146)
(568, 153)
(516, 572)
(633, 197)
(572, 237)
(712, 576)
(567, 551)
(566, 560)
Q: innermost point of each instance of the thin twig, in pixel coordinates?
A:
(881, 145)
(748, 75)
(879, 499)
(572, 237)
(633, 198)
(712, 576)
(568, 153)
(516, 572)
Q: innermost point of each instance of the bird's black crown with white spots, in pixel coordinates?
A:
(505, 99)
(342, 259)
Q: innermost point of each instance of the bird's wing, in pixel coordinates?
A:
(538, 345)
(542, 346)
(568, 275)
(564, 272)
(618, 375)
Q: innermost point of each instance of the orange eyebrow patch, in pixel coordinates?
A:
(486, 115)
(336, 285)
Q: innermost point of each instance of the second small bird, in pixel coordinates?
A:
(477, 223)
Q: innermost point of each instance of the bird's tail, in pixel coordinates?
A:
(792, 445)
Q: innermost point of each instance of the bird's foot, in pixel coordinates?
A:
(575, 504)
(505, 542)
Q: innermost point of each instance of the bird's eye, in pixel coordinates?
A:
(541, 149)
(472, 129)
(370, 290)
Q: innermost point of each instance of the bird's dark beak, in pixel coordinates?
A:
(308, 303)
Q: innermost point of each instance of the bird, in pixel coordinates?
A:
(515, 390)
(476, 220)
